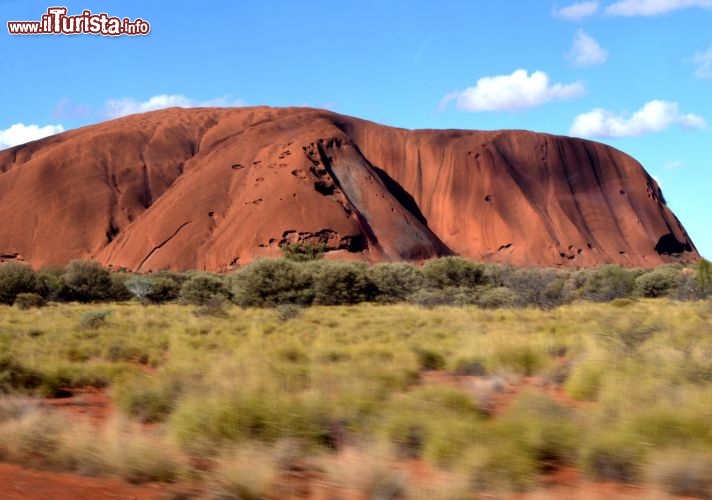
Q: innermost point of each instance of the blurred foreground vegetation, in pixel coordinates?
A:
(620, 390)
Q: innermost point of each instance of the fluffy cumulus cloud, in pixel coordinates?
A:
(654, 116)
(652, 7)
(127, 106)
(586, 51)
(20, 134)
(703, 63)
(514, 92)
(577, 11)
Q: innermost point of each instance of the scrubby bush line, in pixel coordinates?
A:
(303, 279)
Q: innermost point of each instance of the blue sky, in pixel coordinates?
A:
(635, 74)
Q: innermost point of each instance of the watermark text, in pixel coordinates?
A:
(57, 22)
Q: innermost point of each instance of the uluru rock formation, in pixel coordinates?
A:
(213, 188)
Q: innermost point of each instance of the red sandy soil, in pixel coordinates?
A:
(214, 188)
(19, 483)
(88, 403)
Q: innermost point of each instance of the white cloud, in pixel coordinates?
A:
(115, 108)
(654, 116)
(512, 92)
(20, 134)
(66, 109)
(673, 165)
(652, 7)
(577, 11)
(703, 61)
(586, 51)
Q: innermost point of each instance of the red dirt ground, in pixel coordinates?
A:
(19, 483)
(89, 403)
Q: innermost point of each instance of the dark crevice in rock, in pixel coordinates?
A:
(162, 244)
(324, 187)
(10, 256)
(401, 195)
(147, 195)
(111, 232)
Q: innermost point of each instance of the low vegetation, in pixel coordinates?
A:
(304, 278)
(532, 371)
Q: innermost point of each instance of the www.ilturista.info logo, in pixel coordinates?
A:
(57, 22)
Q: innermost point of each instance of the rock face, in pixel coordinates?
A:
(215, 188)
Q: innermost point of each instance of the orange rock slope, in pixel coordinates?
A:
(215, 188)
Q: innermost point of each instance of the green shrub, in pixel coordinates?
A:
(434, 422)
(687, 286)
(625, 302)
(304, 252)
(495, 274)
(201, 288)
(87, 281)
(214, 306)
(657, 282)
(118, 291)
(606, 283)
(443, 297)
(429, 359)
(164, 288)
(498, 297)
(147, 399)
(453, 272)
(504, 466)
(537, 287)
(15, 279)
(285, 312)
(613, 456)
(337, 283)
(704, 277)
(544, 427)
(519, 357)
(140, 287)
(16, 377)
(584, 382)
(50, 284)
(271, 282)
(91, 320)
(395, 281)
(470, 365)
(29, 300)
(669, 425)
(201, 422)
